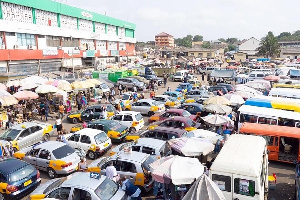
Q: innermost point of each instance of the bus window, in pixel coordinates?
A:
(269, 140)
(285, 122)
(248, 118)
(263, 120)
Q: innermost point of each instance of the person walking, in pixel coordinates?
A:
(131, 190)
(111, 172)
(58, 124)
(165, 79)
(82, 166)
(61, 110)
(120, 87)
(78, 101)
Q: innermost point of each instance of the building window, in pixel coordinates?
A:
(1, 39)
(192, 54)
(209, 55)
(70, 42)
(53, 41)
(14, 12)
(200, 55)
(25, 39)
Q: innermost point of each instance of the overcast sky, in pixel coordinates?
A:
(212, 19)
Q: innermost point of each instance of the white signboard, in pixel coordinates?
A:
(50, 52)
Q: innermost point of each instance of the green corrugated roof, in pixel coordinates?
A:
(64, 9)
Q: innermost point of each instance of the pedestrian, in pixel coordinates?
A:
(43, 113)
(131, 190)
(61, 110)
(113, 93)
(83, 101)
(111, 172)
(203, 77)
(84, 124)
(168, 89)
(47, 107)
(78, 101)
(58, 124)
(82, 166)
(120, 87)
(119, 106)
(165, 79)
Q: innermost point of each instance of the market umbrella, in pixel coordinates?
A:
(28, 86)
(234, 99)
(8, 100)
(218, 109)
(94, 81)
(245, 95)
(57, 83)
(216, 120)
(66, 86)
(34, 79)
(204, 189)
(15, 83)
(3, 87)
(174, 169)
(272, 78)
(46, 89)
(205, 134)
(245, 88)
(191, 146)
(61, 93)
(82, 85)
(4, 93)
(217, 100)
(24, 95)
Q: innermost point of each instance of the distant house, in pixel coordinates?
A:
(164, 40)
(248, 48)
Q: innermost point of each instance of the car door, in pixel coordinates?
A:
(36, 134)
(43, 159)
(23, 139)
(62, 193)
(88, 114)
(128, 169)
(85, 142)
(73, 140)
(78, 194)
(97, 112)
(127, 120)
(31, 156)
(118, 118)
(136, 107)
(145, 107)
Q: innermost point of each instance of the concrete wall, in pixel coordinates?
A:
(252, 44)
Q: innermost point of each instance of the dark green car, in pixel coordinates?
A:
(114, 129)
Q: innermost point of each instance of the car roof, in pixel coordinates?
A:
(89, 131)
(192, 104)
(150, 142)
(24, 125)
(170, 92)
(184, 84)
(103, 121)
(176, 131)
(11, 164)
(97, 105)
(176, 110)
(162, 95)
(50, 145)
(136, 157)
(178, 118)
(146, 100)
(82, 179)
(128, 113)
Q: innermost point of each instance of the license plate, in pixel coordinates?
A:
(27, 183)
(105, 145)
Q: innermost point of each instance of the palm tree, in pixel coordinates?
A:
(269, 46)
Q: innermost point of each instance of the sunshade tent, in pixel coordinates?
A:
(94, 81)
(8, 100)
(15, 83)
(28, 86)
(4, 93)
(218, 109)
(34, 79)
(244, 95)
(204, 189)
(25, 95)
(3, 87)
(191, 146)
(174, 169)
(259, 84)
(82, 85)
(234, 99)
(245, 88)
(217, 100)
(46, 89)
(205, 134)
(223, 73)
(216, 120)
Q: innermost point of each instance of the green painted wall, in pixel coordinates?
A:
(64, 9)
(58, 19)
(0, 11)
(33, 16)
(129, 33)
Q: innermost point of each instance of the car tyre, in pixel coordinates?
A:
(75, 120)
(91, 155)
(51, 173)
(150, 113)
(46, 137)
(132, 130)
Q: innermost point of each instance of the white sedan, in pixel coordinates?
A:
(147, 106)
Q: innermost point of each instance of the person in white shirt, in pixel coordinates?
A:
(111, 172)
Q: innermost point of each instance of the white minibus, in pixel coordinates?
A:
(285, 92)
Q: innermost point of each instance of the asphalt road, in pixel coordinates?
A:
(284, 190)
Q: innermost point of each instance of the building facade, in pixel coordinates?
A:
(164, 40)
(40, 36)
(249, 47)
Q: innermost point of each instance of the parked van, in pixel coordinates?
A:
(256, 75)
(179, 75)
(285, 93)
(241, 168)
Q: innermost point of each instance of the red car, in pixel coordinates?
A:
(171, 113)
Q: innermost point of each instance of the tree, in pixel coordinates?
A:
(231, 47)
(222, 40)
(269, 46)
(284, 34)
(232, 40)
(197, 38)
(206, 45)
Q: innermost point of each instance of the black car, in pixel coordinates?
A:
(217, 88)
(229, 87)
(18, 179)
(153, 78)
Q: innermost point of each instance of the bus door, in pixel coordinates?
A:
(273, 147)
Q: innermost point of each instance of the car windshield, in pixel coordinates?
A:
(110, 109)
(178, 74)
(181, 86)
(21, 173)
(103, 86)
(107, 189)
(190, 123)
(186, 114)
(156, 103)
(125, 97)
(10, 133)
(138, 117)
(100, 138)
(55, 184)
(135, 81)
(63, 151)
(113, 125)
(147, 162)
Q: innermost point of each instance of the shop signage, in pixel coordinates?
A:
(90, 53)
(114, 52)
(50, 52)
(103, 52)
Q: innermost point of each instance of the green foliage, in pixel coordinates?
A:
(222, 40)
(287, 36)
(232, 40)
(231, 47)
(187, 40)
(269, 46)
(197, 38)
(206, 45)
